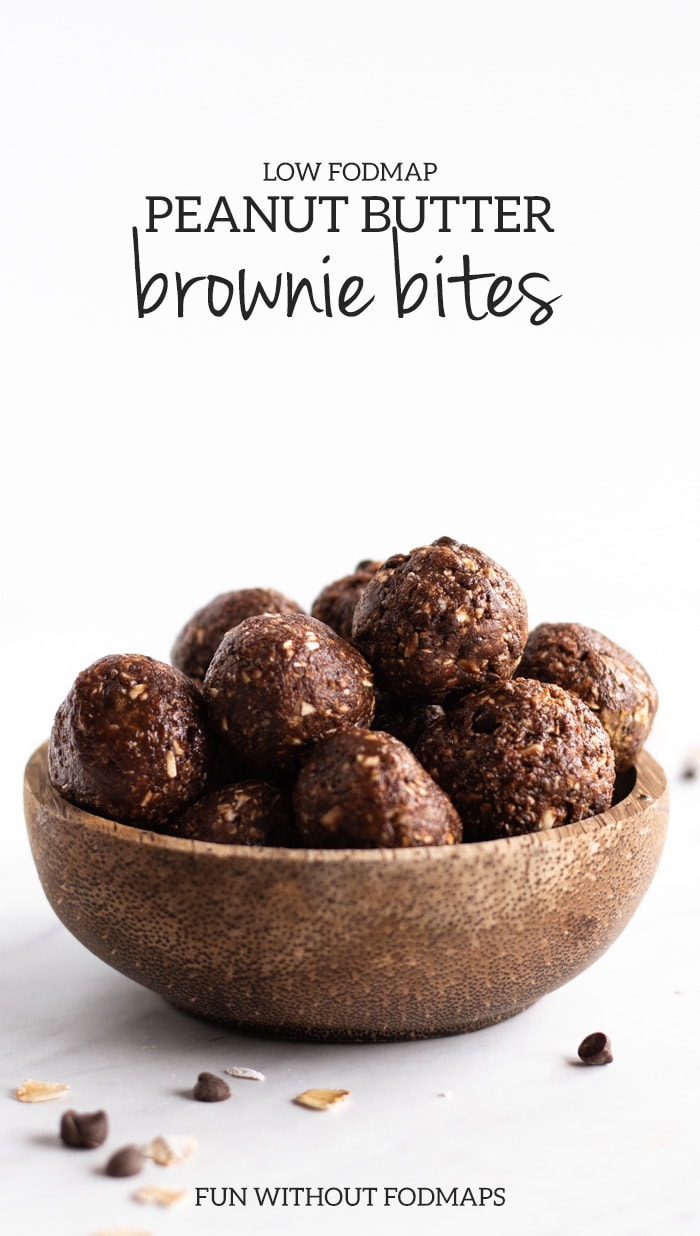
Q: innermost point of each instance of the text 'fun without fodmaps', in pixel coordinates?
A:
(343, 1195)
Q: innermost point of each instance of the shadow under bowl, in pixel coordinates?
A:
(349, 945)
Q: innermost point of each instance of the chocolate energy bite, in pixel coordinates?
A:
(247, 813)
(279, 683)
(130, 741)
(200, 637)
(602, 674)
(363, 788)
(335, 605)
(520, 756)
(434, 621)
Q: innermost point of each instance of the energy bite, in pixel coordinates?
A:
(130, 741)
(432, 622)
(279, 683)
(248, 813)
(363, 788)
(335, 604)
(200, 637)
(606, 677)
(520, 756)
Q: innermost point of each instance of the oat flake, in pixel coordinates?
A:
(123, 1231)
(170, 1148)
(32, 1091)
(321, 1100)
(159, 1196)
(239, 1071)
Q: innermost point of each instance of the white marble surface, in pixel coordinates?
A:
(611, 1150)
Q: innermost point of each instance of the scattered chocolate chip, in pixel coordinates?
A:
(595, 1049)
(84, 1130)
(125, 1162)
(690, 769)
(485, 720)
(211, 1089)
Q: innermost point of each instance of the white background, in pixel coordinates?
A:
(150, 464)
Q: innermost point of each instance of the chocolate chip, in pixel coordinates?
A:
(211, 1089)
(595, 1049)
(84, 1130)
(485, 720)
(125, 1162)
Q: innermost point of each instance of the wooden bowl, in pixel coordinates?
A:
(349, 944)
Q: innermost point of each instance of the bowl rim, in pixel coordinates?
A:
(649, 787)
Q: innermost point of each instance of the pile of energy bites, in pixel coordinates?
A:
(411, 708)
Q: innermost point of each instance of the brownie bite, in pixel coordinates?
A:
(606, 677)
(279, 683)
(247, 813)
(130, 741)
(200, 637)
(363, 788)
(335, 604)
(520, 756)
(434, 621)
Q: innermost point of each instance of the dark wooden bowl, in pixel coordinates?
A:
(349, 944)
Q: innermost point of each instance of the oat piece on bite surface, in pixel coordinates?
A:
(433, 621)
(604, 675)
(130, 741)
(520, 756)
(200, 637)
(363, 788)
(278, 684)
(247, 813)
(335, 604)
